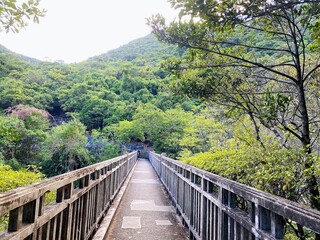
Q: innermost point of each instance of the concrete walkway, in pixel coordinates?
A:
(145, 212)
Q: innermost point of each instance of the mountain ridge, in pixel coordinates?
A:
(147, 46)
(4, 50)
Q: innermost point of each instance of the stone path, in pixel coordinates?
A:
(145, 212)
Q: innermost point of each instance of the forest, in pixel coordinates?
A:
(232, 88)
(58, 117)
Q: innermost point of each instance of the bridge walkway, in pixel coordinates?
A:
(145, 211)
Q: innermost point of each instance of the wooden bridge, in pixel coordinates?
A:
(123, 198)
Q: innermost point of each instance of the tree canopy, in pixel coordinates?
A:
(272, 81)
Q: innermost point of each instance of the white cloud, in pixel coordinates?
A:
(74, 30)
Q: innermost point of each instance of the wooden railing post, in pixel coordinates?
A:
(277, 226)
(160, 166)
(204, 216)
(15, 219)
(25, 214)
(64, 192)
(224, 198)
(264, 216)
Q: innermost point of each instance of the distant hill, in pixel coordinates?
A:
(147, 47)
(6, 52)
(3, 49)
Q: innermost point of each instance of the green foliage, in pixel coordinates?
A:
(24, 86)
(66, 145)
(103, 92)
(273, 105)
(23, 133)
(101, 148)
(10, 137)
(10, 179)
(273, 169)
(126, 131)
(163, 129)
(14, 16)
(238, 57)
(10, 130)
(205, 132)
(141, 51)
(94, 111)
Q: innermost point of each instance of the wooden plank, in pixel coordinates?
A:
(84, 218)
(24, 233)
(59, 225)
(67, 227)
(15, 219)
(48, 231)
(54, 228)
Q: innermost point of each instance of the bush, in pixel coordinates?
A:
(275, 169)
(10, 179)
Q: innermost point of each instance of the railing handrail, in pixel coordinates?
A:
(13, 197)
(256, 194)
(287, 209)
(82, 198)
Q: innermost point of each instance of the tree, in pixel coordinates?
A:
(11, 130)
(164, 129)
(23, 133)
(67, 145)
(94, 111)
(205, 133)
(274, 83)
(101, 148)
(126, 132)
(14, 16)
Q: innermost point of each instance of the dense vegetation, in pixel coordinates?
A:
(237, 96)
(61, 117)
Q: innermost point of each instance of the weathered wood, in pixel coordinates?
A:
(262, 218)
(29, 212)
(15, 219)
(79, 204)
(19, 196)
(277, 225)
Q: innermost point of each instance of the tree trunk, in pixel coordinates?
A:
(312, 182)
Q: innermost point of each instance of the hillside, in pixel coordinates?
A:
(3, 49)
(6, 52)
(102, 90)
(93, 99)
(148, 48)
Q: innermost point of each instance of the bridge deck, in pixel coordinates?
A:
(145, 211)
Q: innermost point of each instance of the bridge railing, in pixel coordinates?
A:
(82, 198)
(213, 207)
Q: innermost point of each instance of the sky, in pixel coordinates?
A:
(74, 30)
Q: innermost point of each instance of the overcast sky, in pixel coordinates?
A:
(74, 30)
